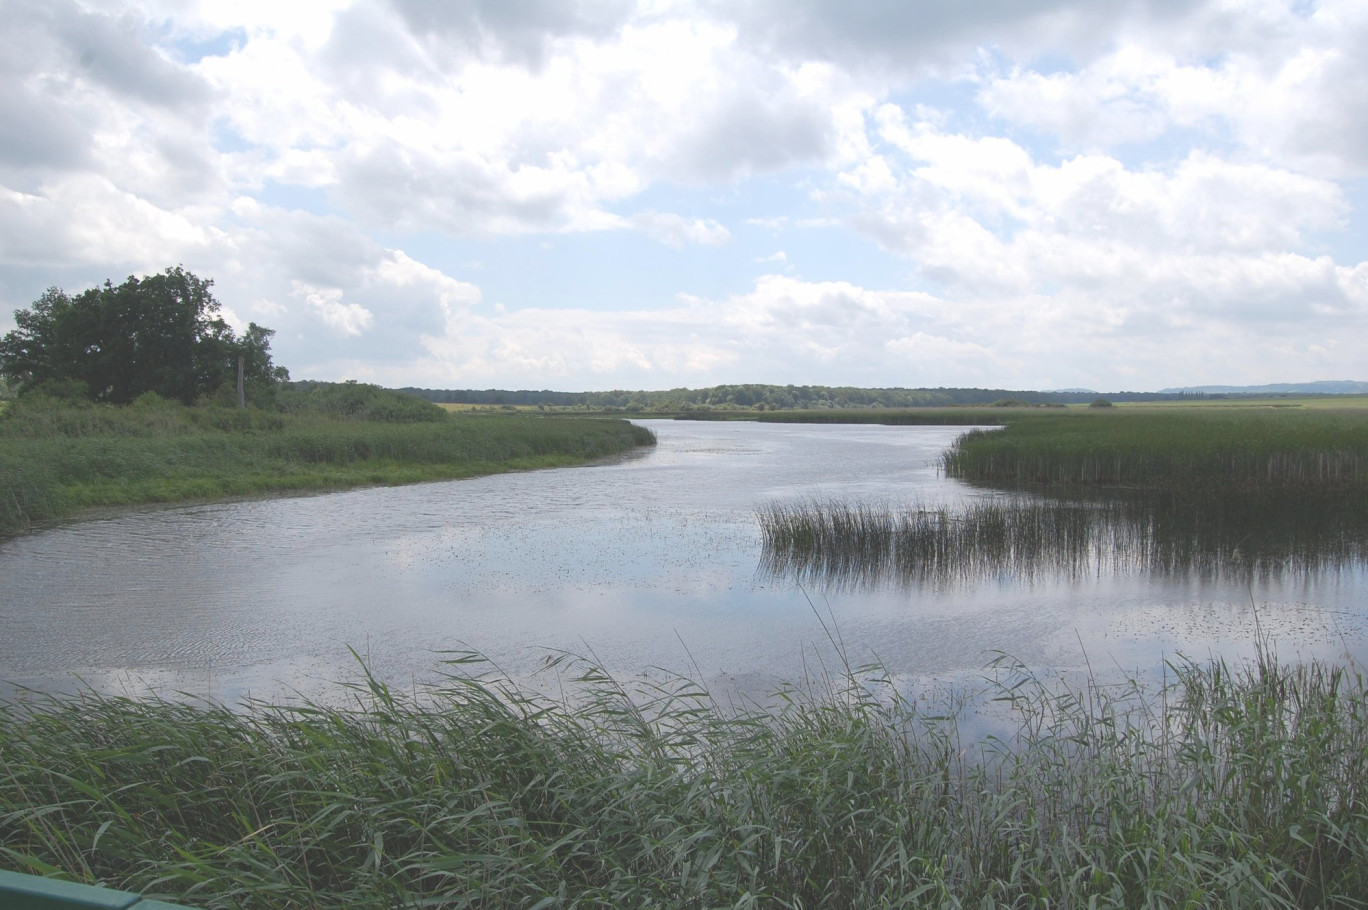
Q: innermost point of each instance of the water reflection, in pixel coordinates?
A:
(840, 546)
(641, 564)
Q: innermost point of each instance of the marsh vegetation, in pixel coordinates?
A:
(1223, 785)
(1228, 786)
(1233, 451)
(838, 545)
(60, 456)
(1198, 492)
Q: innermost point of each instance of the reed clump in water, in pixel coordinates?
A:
(840, 545)
(1243, 786)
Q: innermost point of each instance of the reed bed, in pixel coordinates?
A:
(1231, 787)
(1238, 451)
(836, 545)
(57, 459)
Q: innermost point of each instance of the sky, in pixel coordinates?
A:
(647, 194)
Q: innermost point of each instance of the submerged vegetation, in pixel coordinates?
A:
(58, 457)
(1233, 787)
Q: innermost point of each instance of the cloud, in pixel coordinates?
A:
(83, 219)
(781, 330)
(335, 296)
(86, 90)
(347, 318)
(74, 52)
(520, 33)
(412, 123)
(676, 230)
(1211, 324)
(919, 36)
(1050, 192)
(981, 215)
(1287, 87)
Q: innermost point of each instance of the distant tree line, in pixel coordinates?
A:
(113, 343)
(775, 397)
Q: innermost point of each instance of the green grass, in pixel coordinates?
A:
(58, 459)
(1230, 787)
(1236, 450)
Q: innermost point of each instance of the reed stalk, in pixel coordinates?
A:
(834, 545)
(1235, 451)
(57, 458)
(1224, 786)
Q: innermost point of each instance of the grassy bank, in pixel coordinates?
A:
(1243, 787)
(1234, 450)
(58, 458)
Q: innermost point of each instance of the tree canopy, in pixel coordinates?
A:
(162, 333)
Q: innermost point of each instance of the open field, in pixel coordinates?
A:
(1231, 787)
(59, 459)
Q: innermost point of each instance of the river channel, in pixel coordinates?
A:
(646, 564)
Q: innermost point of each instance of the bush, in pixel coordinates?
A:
(356, 401)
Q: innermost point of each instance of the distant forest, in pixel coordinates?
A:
(782, 397)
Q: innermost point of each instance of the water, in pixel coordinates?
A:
(651, 563)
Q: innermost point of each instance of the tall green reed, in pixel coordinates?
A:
(1237, 451)
(1223, 786)
(840, 545)
(57, 458)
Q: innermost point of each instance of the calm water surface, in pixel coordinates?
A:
(648, 562)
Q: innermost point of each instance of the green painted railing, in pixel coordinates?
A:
(30, 892)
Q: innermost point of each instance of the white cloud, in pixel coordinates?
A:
(1287, 88)
(1175, 191)
(346, 318)
(676, 230)
(398, 271)
(788, 330)
(784, 328)
(85, 219)
(980, 214)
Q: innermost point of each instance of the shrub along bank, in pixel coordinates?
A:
(58, 457)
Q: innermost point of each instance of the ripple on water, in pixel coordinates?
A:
(645, 562)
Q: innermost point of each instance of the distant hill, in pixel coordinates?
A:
(1342, 387)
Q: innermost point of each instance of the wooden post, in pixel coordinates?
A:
(242, 393)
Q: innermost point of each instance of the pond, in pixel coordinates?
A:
(652, 563)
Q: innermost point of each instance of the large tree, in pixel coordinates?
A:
(162, 333)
